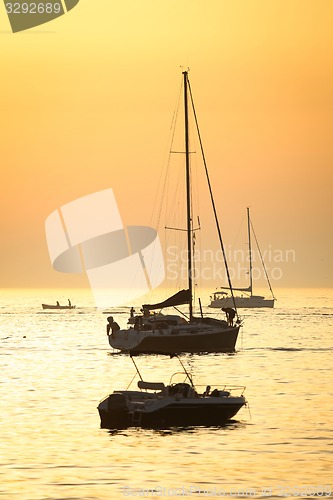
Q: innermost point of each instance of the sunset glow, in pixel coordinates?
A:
(86, 104)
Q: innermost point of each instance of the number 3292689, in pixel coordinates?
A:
(33, 8)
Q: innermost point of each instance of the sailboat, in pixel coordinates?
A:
(222, 299)
(165, 333)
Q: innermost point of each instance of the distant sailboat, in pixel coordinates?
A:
(221, 298)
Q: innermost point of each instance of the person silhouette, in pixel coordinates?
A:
(230, 313)
(112, 325)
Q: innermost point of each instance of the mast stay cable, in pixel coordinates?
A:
(212, 200)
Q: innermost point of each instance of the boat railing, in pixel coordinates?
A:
(231, 389)
(184, 376)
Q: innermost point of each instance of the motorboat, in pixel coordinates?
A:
(156, 405)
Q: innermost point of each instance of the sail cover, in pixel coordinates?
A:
(182, 297)
(248, 289)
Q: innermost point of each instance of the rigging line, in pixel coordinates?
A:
(174, 124)
(166, 162)
(189, 376)
(175, 229)
(172, 208)
(250, 249)
(137, 369)
(213, 202)
(129, 385)
(262, 260)
(193, 270)
(181, 312)
(184, 230)
(195, 201)
(171, 144)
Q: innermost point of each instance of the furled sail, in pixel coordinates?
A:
(248, 289)
(179, 298)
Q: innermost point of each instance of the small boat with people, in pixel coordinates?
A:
(58, 306)
(156, 405)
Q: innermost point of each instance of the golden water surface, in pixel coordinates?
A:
(56, 367)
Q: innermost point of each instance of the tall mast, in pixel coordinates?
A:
(188, 195)
(250, 251)
(213, 203)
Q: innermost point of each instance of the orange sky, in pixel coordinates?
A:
(86, 103)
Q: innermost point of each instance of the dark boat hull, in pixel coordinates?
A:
(51, 306)
(180, 415)
(242, 302)
(191, 343)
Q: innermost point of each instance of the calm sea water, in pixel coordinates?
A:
(56, 367)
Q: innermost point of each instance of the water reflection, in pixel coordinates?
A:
(169, 431)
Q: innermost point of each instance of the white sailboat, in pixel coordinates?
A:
(247, 299)
(173, 333)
